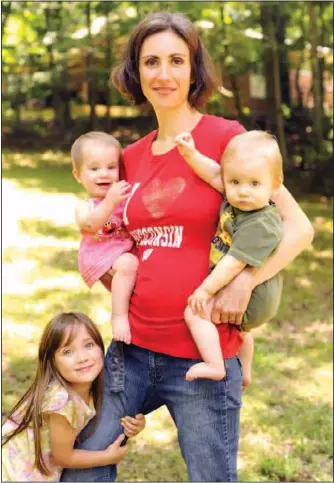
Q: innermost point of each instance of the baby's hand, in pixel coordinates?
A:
(198, 302)
(185, 144)
(118, 191)
(133, 426)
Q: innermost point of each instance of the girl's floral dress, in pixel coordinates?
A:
(18, 455)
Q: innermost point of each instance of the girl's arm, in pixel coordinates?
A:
(206, 168)
(231, 302)
(62, 438)
(91, 219)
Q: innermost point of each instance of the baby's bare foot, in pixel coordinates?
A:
(121, 328)
(206, 371)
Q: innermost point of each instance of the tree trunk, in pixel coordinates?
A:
(272, 74)
(90, 71)
(223, 56)
(323, 30)
(17, 103)
(5, 11)
(317, 107)
(300, 101)
(48, 29)
(60, 90)
(236, 95)
(283, 56)
(108, 65)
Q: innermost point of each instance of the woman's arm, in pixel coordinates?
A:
(231, 302)
(62, 438)
(298, 234)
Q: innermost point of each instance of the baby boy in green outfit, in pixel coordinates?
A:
(249, 230)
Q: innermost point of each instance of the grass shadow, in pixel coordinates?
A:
(16, 379)
(47, 171)
(49, 179)
(35, 227)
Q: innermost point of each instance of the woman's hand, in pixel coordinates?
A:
(231, 301)
(133, 426)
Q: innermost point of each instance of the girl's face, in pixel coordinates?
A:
(79, 361)
(99, 168)
(165, 70)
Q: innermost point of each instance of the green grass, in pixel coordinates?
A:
(47, 114)
(286, 419)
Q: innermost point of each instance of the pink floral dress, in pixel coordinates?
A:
(99, 251)
(18, 455)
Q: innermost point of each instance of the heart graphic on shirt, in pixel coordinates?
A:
(158, 196)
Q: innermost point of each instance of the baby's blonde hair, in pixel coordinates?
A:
(261, 143)
(92, 136)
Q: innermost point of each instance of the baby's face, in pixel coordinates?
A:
(248, 182)
(99, 168)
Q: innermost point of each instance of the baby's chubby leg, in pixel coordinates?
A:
(124, 272)
(205, 335)
(246, 356)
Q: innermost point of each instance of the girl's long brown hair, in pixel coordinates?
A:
(29, 406)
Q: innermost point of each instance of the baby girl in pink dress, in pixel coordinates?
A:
(106, 250)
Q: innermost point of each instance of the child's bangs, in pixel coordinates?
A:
(92, 331)
(70, 332)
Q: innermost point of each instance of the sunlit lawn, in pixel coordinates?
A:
(47, 114)
(286, 426)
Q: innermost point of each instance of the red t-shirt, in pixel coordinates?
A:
(172, 214)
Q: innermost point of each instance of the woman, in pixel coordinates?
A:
(172, 215)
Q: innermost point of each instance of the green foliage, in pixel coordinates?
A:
(52, 38)
(277, 468)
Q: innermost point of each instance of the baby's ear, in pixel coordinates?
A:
(76, 175)
(277, 185)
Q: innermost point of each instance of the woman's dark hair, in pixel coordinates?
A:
(205, 78)
(61, 329)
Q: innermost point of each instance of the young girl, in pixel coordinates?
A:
(105, 248)
(40, 431)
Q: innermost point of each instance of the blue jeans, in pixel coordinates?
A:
(205, 412)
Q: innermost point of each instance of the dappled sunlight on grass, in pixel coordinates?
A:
(35, 227)
(47, 159)
(13, 330)
(31, 172)
(157, 432)
(77, 110)
(154, 454)
(304, 282)
(319, 385)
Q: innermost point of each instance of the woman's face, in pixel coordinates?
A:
(165, 70)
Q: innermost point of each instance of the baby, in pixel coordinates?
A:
(249, 230)
(106, 248)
